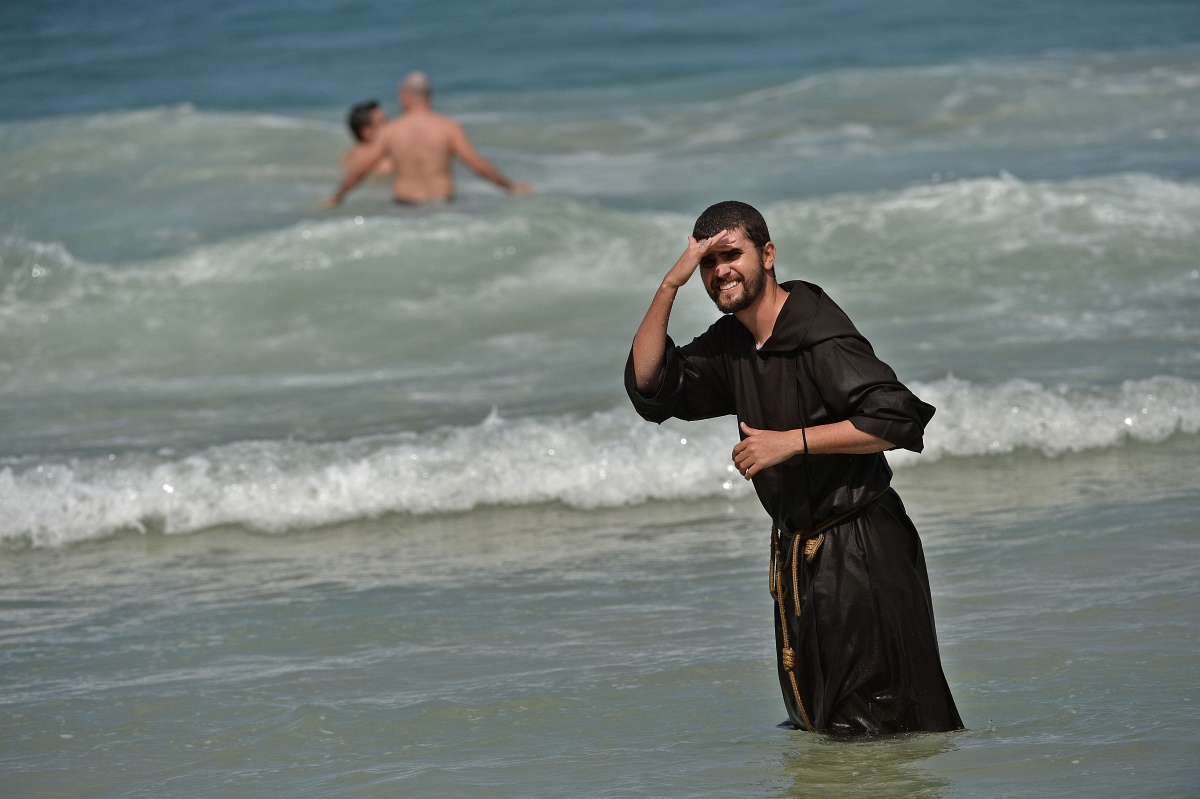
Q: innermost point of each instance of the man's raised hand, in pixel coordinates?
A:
(651, 338)
(687, 264)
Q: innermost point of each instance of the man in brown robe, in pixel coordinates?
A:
(856, 647)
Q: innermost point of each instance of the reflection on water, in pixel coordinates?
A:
(892, 766)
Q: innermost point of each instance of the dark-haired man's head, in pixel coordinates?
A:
(732, 215)
(362, 117)
(736, 272)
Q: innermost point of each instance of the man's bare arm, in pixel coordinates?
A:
(761, 449)
(467, 153)
(359, 167)
(650, 341)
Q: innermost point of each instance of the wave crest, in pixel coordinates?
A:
(607, 459)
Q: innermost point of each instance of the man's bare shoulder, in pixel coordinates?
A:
(426, 126)
(392, 126)
(438, 124)
(453, 134)
(357, 154)
(445, 120)
(422, 119)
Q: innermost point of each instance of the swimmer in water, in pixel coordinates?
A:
(366, 120)
(422, 145)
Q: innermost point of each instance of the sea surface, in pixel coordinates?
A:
(351, 503)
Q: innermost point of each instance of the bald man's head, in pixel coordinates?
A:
(416, 83)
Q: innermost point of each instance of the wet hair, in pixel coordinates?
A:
(733, 215)
(360, 117)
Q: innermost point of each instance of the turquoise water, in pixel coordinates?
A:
(351, 503)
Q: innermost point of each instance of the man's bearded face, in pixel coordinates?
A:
(737, 278)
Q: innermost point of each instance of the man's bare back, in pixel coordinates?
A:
(422, 145)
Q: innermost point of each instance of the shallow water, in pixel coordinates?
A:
(547, 651)
(352, 503)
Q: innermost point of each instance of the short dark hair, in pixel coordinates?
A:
(360, 117)
(732, 215)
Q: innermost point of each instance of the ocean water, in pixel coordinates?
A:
(351, 503)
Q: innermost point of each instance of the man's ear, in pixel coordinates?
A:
(768, 256)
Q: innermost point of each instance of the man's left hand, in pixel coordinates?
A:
(761, 449)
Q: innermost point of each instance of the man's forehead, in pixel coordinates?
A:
(735, 239)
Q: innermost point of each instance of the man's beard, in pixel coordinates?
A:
(752, 286)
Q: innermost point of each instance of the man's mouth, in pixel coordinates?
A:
(727, 285)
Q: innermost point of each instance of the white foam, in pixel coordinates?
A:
(36, 277)
(604, 460)
(1020, 414)
(607, 459)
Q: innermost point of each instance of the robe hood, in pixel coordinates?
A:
(808, 317)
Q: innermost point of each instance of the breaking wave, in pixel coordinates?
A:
(605, 459)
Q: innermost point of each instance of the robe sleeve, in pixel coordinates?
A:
(854, 384)
(692, 383)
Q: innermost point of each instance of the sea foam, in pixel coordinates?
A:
(604, 459)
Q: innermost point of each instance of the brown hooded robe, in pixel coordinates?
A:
(862, 635)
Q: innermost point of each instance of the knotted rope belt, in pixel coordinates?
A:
(812, 540)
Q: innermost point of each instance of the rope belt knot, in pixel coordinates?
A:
(811, 546)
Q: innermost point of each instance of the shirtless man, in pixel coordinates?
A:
(366, 120)
(422, 145)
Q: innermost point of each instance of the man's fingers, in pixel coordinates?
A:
(705, 245)
(745, 471)
(720, 239)
(744, 459)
